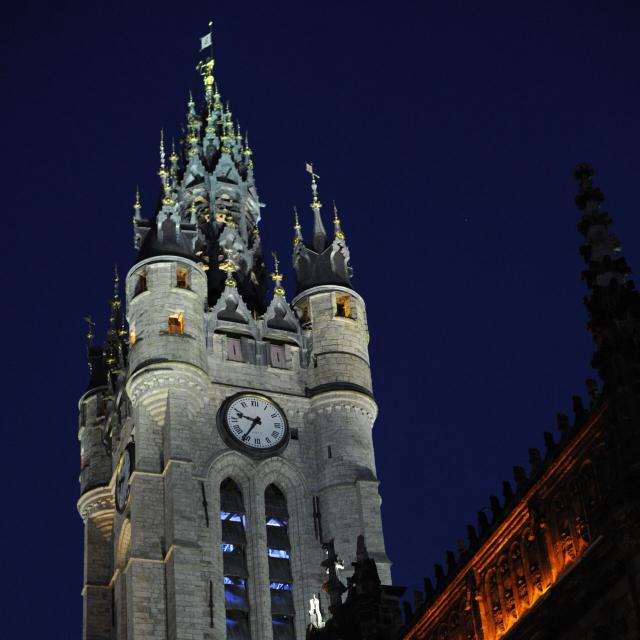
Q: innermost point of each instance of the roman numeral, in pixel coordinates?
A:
(274, 434)
(244, 404)
(256, 441)
(268, 440)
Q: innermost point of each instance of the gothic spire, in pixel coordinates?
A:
(210, 204)
(319, 233)
(613, 302)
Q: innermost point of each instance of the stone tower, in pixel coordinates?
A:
(224, 437)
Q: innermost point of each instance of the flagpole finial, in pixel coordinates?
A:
(205, 67)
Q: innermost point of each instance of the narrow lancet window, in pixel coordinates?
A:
(141, 283)
(182, 278)
(279, 554)
(234, 560)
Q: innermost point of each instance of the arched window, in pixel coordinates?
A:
(279, 550)
(234, 558)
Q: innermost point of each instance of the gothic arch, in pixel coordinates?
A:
(286, 477)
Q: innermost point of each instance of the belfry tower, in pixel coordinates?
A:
(226, 433)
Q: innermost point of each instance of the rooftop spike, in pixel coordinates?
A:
(336, 223)
(91, 334)
(319, 233)
(137, 206)
(276, 276)
(297, 229)
(164, 174)
(246, 151)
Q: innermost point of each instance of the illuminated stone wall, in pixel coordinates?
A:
(553, 567)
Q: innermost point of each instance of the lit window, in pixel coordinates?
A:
(132, 336)
(182, 278)
(343, 306)
(278, 553)
(234, 349)
(176, 323)
(277, 356)
(280, 586)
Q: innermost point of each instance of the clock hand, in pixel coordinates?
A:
(254, 422)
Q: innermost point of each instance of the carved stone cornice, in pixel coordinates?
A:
(338, 401)
(98, 501)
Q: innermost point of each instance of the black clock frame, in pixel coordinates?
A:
(131, 450)
(233, 442)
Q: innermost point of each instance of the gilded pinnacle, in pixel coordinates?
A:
(277, 276)
(297, 239)
(229, 267)
(163, 170)
(137, 206)
(336, 223)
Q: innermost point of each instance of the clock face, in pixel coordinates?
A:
(254, 424)
(123, 475)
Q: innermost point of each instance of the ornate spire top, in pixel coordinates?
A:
(137, 206)
(112, 347)
(297, 229)
(276, 276)
(339, 234)
(205, 67)
(319, 233)
(163, 168)
(115, 300)
(164, 174)
(229, 267)
(246, 151)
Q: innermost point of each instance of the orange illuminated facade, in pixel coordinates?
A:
(548, 528)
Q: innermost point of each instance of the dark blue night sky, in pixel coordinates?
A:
(447, 133)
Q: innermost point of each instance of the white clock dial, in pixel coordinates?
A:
(255, 422)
